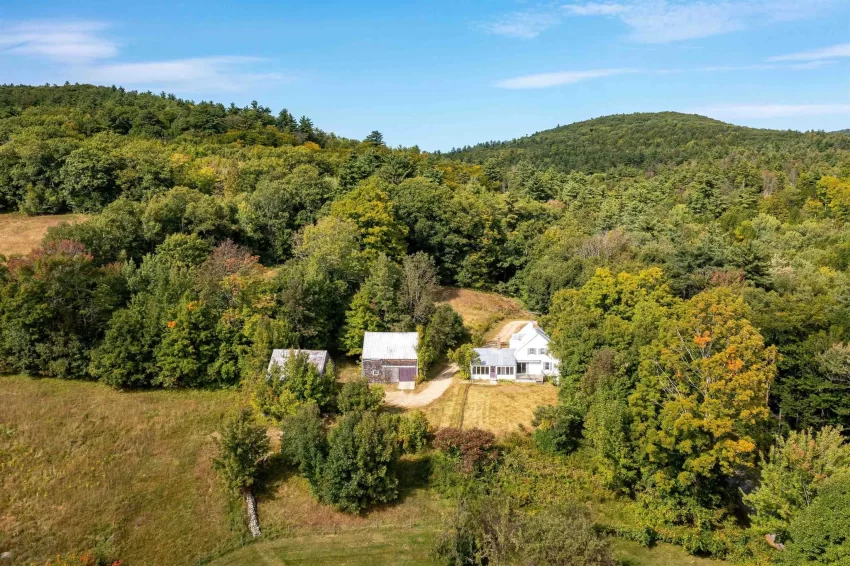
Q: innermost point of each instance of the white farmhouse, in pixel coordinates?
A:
(527, 358)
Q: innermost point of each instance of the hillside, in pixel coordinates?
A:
(643, 140)
(19, 234)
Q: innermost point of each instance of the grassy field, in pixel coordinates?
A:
(498, 408)
(84, 466)
(19, 233)
(481, 311)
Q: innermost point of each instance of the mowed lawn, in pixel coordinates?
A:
(391, 546)
(501, 408)
(20, 233)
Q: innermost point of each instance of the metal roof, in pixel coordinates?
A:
(496, 356)
(318, 358)
(526, 334)
(390, 346)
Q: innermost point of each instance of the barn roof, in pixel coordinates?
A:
(318, 358)
(390, 346)
(496, 356)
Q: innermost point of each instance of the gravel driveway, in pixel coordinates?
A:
(430, 392)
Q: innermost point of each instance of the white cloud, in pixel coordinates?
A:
(524, 25)
(834, 52)
(74, 41)
(595, 9)
(201, 74)
(662, 21)
(76, 51)
(544, 80)
(760, 111)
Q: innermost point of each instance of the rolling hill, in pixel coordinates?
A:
(644, 140)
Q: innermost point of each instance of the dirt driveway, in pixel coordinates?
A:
(504, 334)
(426, 395)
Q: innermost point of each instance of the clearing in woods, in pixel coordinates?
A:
(20, 233)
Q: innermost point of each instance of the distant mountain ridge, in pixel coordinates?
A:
(641, 140)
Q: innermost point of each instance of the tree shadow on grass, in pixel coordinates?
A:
(273, 473)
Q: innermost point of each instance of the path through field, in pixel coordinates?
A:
(430, 392)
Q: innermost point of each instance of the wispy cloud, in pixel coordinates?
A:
(200, 74)
(761, 111)
(833, 52)
(524, 25)
(72, 41)
(79, 52)
(544, 80)
(661, 21)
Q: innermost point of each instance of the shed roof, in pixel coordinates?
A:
(318, 358)
(496, 356)
(390, 346)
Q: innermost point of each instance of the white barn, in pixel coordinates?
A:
(527, 358)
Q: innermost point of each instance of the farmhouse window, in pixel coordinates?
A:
(521, 367)
(547, 366)
(480, 370)
(532, 351)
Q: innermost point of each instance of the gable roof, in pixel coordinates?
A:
(390, 345)
(526, 334)
(496, 356)
(318, 358)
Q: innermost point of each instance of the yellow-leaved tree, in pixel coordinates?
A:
(701, 405)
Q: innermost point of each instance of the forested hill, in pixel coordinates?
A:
(646, 140)
(86, 110)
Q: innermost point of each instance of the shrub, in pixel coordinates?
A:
(464, 356)
(413, 432)
(358, 395)
(558, 428)
(492, 530)
(471, 450)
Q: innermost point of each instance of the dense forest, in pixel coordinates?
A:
(694, 277)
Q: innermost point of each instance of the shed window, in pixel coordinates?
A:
(375, 372)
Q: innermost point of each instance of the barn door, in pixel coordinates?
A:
(392, 374)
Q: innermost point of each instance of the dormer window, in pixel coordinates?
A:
(532, 351)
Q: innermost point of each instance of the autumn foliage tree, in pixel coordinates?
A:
(700, 408)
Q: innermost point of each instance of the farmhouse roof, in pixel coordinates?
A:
(526, 334)
(496, 356)
(318, 358)
(390, 345)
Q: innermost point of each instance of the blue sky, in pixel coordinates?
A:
(441, 74)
